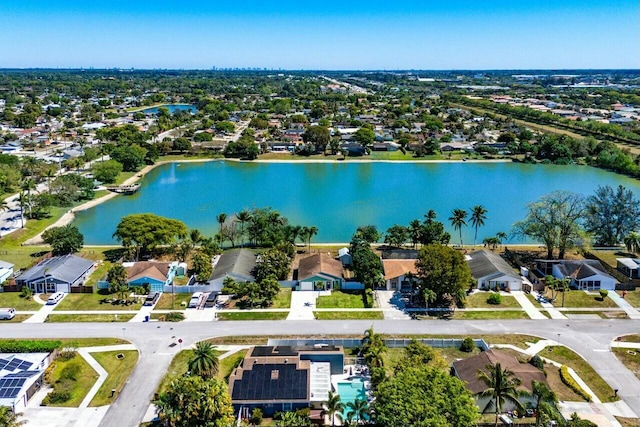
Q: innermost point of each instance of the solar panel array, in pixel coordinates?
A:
(10, 387)
(13, 364)
(258, 383)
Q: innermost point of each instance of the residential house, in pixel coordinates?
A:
(319, 272)
(21, 376)
(492, 271)
(238, 264)
(396, 272)
(6, 271)
(399, 254)
(56, 274)
(154, 274)
(586, 274)
(630, 267)
(467, 370)
(284, 378)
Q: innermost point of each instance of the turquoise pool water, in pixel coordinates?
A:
(350, 391)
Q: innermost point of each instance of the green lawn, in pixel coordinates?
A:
(630, 338)
(78, 388)
(177, 368)
(581, 299)
(98, 274)
(169, 301)
(67, 318)
(91, 342)
(481, 315)
(17, 318)
(118, 370)
(94, 301)
(348, 315)
(15, 300)
(283, 299)
(253, 315)
(583, 369)
(479, 300)
(341, 299)
(228, 364)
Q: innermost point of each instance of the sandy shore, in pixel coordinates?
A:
(69, 216)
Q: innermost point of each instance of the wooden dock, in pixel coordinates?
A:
(124, 189)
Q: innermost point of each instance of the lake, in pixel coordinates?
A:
(339, 197)
(172, 108)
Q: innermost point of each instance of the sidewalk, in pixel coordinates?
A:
(528, 306)
(624, 304)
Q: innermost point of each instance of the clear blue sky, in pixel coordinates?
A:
(308, 34)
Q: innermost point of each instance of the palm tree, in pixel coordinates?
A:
(545, 398)
(243, 217)
(8, 418)
(478, 215)
(204, 362)
(221, 218)
(358, 409)
(502, 386)
(457, 219)
(333, 407)
(501, 235)
(311, 231)
(632, 242)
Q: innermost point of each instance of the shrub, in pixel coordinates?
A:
(174, 316)
(537, 362)
(256, 417)
(67, 354)
(27, 293)
(28, 346)
(467, 345)
(70, 372)
(568, 380)
(56, 397)
(495, 298)
(603, 294)
(368, 298)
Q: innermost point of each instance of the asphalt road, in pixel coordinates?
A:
(589, 338)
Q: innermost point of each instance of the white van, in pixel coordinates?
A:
(7, 313)
(196, 299)
(55, 298)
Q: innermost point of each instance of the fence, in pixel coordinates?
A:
(81, 289)
(188, 289)
(389, 342)
(626, 283)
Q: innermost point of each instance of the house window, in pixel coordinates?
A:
(51, 287)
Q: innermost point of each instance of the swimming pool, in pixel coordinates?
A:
(350, 391)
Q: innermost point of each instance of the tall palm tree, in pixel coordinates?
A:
(502, 386)
(243, 217)
(632, 242)
(457, 219)
(311, 231)
(204, 362)
(501, 235)
(545, 399)
(478, 215)
(221, 218)
(358, 409)
(333, 407)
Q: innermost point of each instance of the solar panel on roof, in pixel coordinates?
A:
(23, 374)
(3, 363)
(24, 365)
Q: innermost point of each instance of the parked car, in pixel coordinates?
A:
(7, 313)
(55, 298)
(196, 299)
(152, 298)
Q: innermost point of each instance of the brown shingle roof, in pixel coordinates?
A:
(319, 263)
(398, 267)
(156, 270)
(467, 370)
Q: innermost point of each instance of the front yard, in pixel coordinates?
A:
(169, 301)
(15, 300)
(253, 315)
(72, 379)
(95, 301)
(70, 318)
(118, 370)
(577, 299)
(341, 299)
(479, 300)
(349, 315)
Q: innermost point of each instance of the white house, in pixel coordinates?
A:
(6, 271)
(586, 274)
(493, 272)
(630, 267)
(21, 376)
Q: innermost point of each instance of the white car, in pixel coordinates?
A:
(7, 313)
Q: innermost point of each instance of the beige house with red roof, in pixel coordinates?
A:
(319, 272)
(396, 272)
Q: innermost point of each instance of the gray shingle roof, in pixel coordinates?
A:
(67, 269)
(236, 262)
(485, 263)
(581, 269)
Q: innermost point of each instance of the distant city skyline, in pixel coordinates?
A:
(424, 35)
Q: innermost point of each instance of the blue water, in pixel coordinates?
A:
(350, 391)
(339, 197)
(172, 108)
